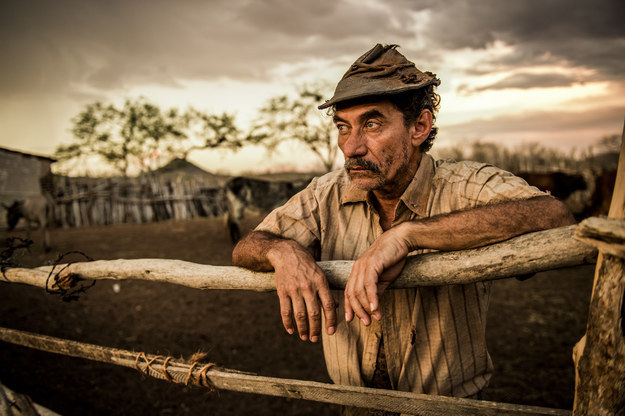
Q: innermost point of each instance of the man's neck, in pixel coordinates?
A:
(386, 201)
(386, 210)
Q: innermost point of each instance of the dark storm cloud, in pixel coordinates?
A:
(528, 80)
(577, 34)
(48, 45)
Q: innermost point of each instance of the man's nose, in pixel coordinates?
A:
(355, 145)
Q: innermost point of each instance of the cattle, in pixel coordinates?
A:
(257, 194)
(599, 203)
(33, 210)
(559, 184)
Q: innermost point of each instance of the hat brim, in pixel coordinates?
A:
(354, 88)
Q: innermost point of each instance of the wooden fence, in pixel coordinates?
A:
(599, 357)
(103, 201)
(531, 253)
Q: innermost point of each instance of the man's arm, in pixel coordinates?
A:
(301, 285)
(381, 263)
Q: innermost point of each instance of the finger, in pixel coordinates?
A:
(349, 312)
(329, 309)
(314, 318)
(358, 309)
(363, 311)
(371, 291)
(301, 317)
(286, 312)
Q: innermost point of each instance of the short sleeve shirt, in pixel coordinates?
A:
(434, 336)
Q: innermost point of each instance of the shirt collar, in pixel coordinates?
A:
(353, 194)
(416, 195)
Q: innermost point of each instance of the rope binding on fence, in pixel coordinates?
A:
(195, 376)
(67, 286)
(180, 371)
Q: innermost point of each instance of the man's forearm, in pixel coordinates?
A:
(487, 224)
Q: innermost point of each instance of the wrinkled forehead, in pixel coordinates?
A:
(371, 100)
(360, 111)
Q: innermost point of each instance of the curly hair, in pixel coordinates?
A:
(410, 103)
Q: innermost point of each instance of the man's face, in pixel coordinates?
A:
(381, 153)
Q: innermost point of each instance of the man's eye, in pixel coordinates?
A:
(341, 128)
(371, 124)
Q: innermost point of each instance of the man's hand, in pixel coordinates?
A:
(372, 273)
(303, 291)
(301, 285)
(382, 262)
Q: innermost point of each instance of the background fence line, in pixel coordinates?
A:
(81, 202)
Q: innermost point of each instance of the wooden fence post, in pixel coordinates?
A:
(600, 355)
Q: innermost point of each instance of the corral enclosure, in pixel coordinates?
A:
(176, 213)
(532, 328)
(178, 191)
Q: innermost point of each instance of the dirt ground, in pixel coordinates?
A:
(533, 326)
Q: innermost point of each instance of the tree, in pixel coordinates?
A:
(610, 144)
(139, 134)
(203, 131)
(285, 119)
(119, 137)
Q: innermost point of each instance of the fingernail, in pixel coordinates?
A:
(290, 331)
(304, 337)
(331, 330)
(314, 339)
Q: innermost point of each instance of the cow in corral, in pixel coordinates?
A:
(37, 210)
(561, 185)
(258, 194)
(599, 203)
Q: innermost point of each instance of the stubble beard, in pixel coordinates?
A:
(374, 173)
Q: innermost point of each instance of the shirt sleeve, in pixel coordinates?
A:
(497, 185)
(297, 219)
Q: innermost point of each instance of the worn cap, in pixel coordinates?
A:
(380, 71)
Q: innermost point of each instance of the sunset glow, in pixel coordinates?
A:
(511, 73)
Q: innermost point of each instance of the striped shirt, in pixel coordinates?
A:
(434, 337)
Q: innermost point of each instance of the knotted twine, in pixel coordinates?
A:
(201, 379)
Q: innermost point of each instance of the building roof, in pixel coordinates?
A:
(4, 149)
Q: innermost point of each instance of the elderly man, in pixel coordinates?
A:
(390, 201)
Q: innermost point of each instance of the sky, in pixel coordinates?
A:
(517, 72)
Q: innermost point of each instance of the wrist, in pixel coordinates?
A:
(409, 233)
(282, 251)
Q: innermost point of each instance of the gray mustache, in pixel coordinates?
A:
(362, 164)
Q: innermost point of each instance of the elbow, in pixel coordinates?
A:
(251, 253)
(561, 214)
(238, 254)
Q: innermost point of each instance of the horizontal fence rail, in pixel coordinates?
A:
(523, 255)
(213, 377)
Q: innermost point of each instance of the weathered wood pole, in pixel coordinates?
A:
(180, 371)
(600, 355)
(525, 254)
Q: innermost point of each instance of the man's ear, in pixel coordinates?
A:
(422, 127)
